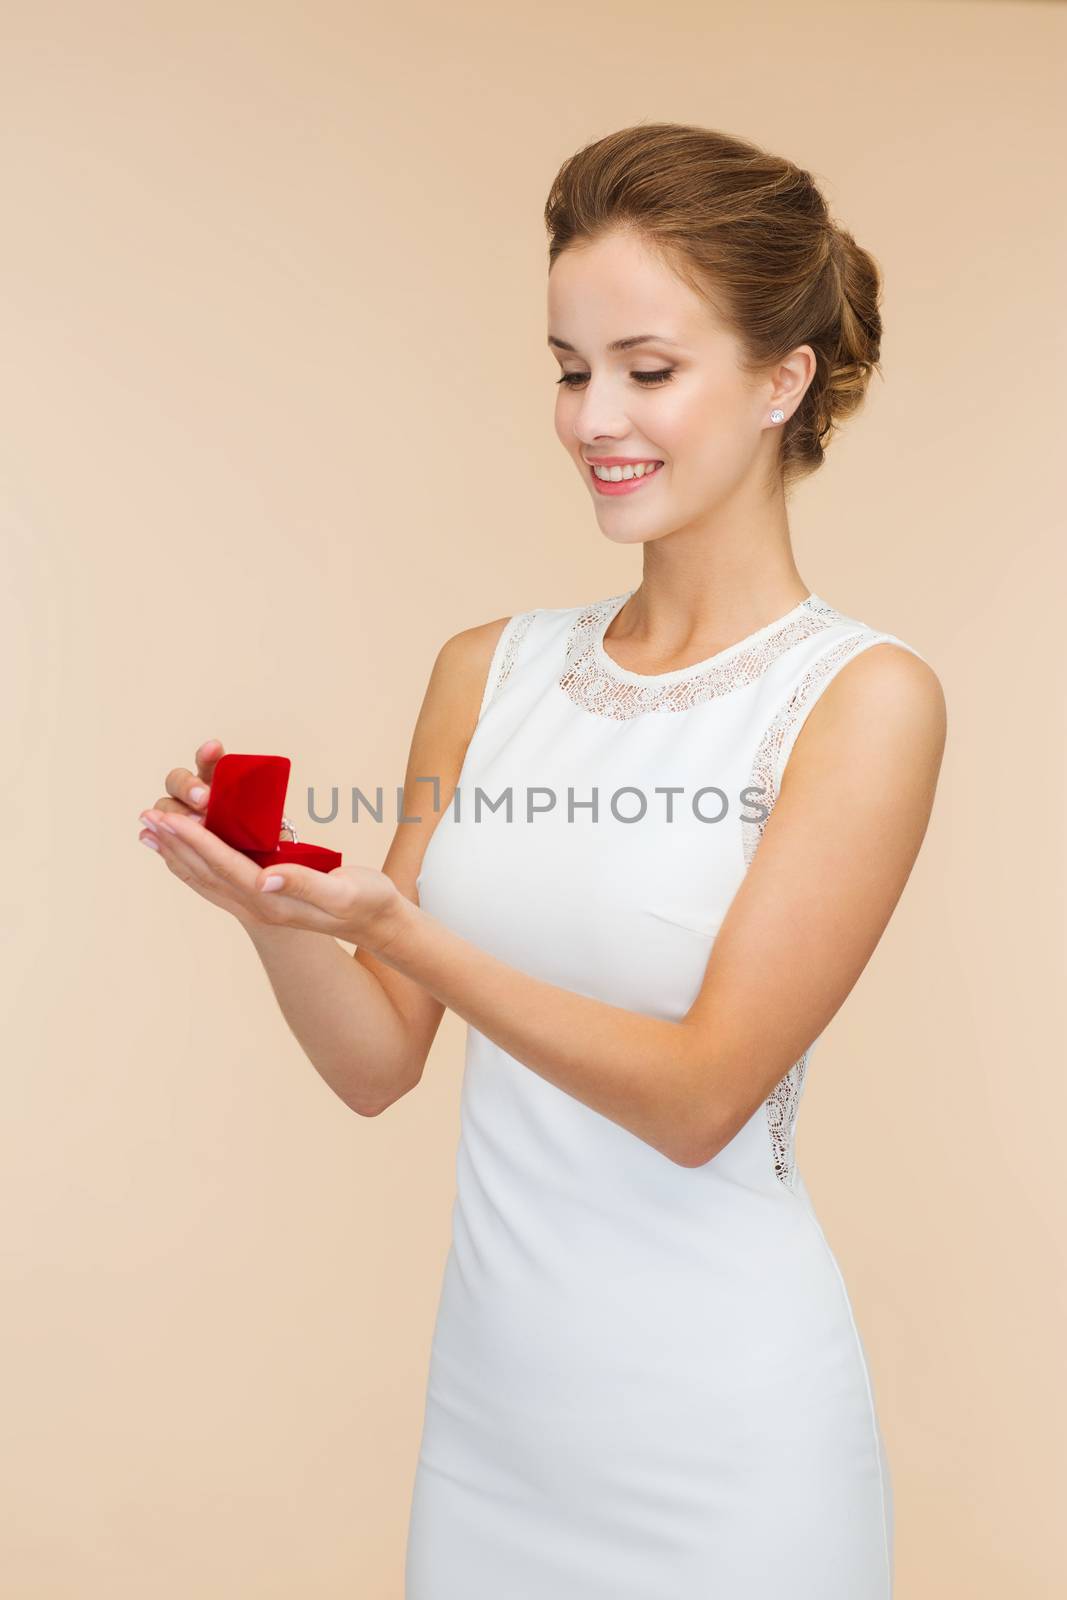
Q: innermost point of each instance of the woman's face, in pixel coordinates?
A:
(678, 397)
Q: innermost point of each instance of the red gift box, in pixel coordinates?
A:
(244, 809)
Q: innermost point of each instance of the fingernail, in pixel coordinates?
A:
(197, 794)
(157, 823)
(273, 882)
(146, 822)
(151, 843)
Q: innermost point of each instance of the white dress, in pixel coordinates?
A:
(646, 1380)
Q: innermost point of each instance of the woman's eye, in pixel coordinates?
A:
(662, 375)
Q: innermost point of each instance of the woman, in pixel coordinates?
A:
(686, 814)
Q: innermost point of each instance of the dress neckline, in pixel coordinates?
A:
(614, 670)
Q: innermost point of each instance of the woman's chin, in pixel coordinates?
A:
(623, 535)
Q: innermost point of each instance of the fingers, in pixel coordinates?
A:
(203, 862)
(297, 897)
(187, 787)
(308, 899)
(191, 788)
(170, 808)
(330, 902)
(179, 855)
(322, 890)
(207, 758)
(209, 855)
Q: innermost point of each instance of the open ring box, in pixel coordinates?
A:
(244, 809)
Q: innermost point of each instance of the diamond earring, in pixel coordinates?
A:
(777, 416)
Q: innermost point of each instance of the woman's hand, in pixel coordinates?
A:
(358, 904)
(187, 791)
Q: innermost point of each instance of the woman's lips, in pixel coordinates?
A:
(624, 485)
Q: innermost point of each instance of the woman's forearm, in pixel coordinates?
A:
(339, 1013)
(638, 1071)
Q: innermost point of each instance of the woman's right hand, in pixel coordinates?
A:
(187, 794)
(187, 791)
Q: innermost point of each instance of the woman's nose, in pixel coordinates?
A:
(599, 425)
(598, 416)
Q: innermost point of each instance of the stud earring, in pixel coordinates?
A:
(777, 416)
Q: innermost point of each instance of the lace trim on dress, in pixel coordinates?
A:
(783, 1103)
(591, 685)
(766, 766)
(519, 627)
(781, 1106)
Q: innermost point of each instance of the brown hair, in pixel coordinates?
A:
(751, 233)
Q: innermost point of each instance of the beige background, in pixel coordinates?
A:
(275, 420)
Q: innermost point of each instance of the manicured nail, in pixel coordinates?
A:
(146, 822)
(197, 794)
(151, 843)
(157, 823)
(273, 882)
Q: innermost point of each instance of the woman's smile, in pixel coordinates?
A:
(621, 474)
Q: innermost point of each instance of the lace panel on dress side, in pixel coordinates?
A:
(516, 630)
(589, 684)
(783, 1103)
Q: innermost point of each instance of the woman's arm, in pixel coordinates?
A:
(443, 730)
(339, 1014)
(832, 863)
(366, 1028)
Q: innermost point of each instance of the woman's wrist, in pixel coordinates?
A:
(390, 927)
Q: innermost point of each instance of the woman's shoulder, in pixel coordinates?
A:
(862, 675)
(886, 656)
(474, 646)
(477, 661)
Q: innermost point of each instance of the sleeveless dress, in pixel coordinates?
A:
(646, 1381)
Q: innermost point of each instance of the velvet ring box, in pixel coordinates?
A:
(244, 809)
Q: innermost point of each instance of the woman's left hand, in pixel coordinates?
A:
(358, 904)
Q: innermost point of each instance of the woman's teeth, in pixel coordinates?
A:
(617, 474)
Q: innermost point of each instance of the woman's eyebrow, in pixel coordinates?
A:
(618, 344)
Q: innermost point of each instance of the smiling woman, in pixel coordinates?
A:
(646, 1377)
